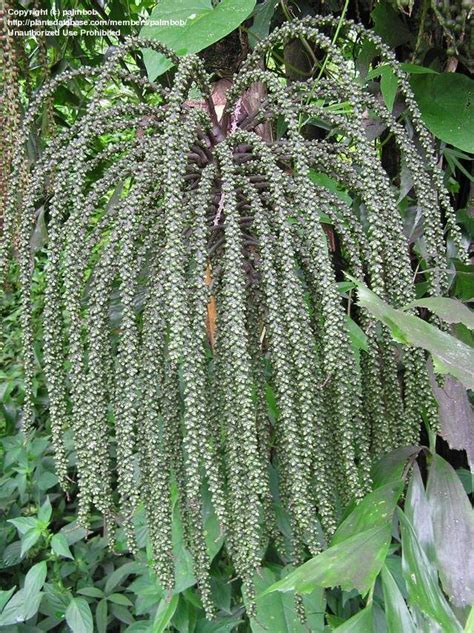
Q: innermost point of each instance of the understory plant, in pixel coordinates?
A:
(190, 278)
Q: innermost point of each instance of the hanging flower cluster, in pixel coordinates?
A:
(156, 214)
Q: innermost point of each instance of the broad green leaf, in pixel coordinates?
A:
(73, 532)
(23, 524)
(44, 513)
(417, 510)
(388, 86)
(392, 465)
(375, 510)
(352, 564)
(445, 101)
(453, 529)
(101, 616)
(165, 612)
(190, 26)
(13, 612)
(449, 354)
(362, 622)
(389, 26)
(277, 611)
(422, 580)
(450, 310)
(35, 578)
(60, 546)
(29, 539)
(79, 616)
(397, 615)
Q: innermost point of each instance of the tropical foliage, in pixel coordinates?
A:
(245, 292)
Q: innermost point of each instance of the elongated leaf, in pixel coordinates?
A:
(469, 626)
(101, 616)
(450, 310)
(397, 616)
(29, 539)
(375, 510)
(35, 579)
(79, 616)
(352, 564)
(388, 86)
(362, 622)
(164, 614)
(422, 580)
(391, 466)
(453, 529)
(261, 21)
(449, 354)
(456, 417)
(60, 547)
(417, 510)
(189, 26)
(5, 596)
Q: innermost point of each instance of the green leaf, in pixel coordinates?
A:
(119, 598)
(375, 510)
(396, 611)
(24, 524)
(79, 616)
(450, 310)
(469, 626)
(165, 612)
(445, 101)
(453, 528)
(91, 592)
(356, 334)
(277, 611)
(29, 539)
(362, 622)
(352, 564)
(422, 581)
(35, 578)
(101, 616)
(44, 513)
(323, 180)
(449, 354)
(261, 21)
(60, 546)
(417, 510)
(392, 465)
(197, 25)
(388, 86)
(389, 26)
(121, 573)
(5, 596)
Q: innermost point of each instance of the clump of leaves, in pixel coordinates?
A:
(189, 216)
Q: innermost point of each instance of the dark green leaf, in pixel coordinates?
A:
(362, 622)
(261, 21)
(79, 616)
(445, 101)
(453, 529)
(388, 86)
(101, 616)
(119, 598)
